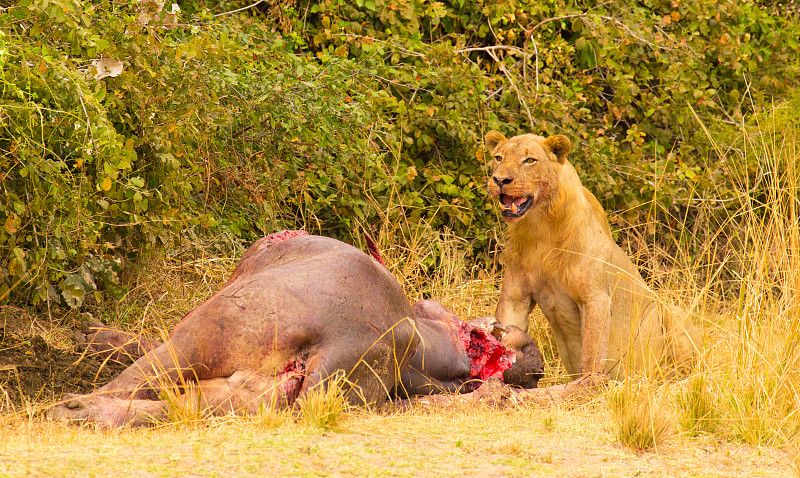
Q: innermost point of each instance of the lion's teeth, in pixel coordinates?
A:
(513, 208)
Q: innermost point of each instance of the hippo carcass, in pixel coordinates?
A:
(297, 309)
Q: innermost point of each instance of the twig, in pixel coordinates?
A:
(409, 52)
(489, 48)
(239, 9)
(634, 35)
(536, 54)
(585, 16)
(507, 74)
(554, 19)
(491, 94)
(89, 134)
(400, 84)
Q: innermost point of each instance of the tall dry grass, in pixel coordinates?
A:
(739, 275)
(752, 365)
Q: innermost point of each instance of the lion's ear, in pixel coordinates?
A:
(493, 138)
(559, 145)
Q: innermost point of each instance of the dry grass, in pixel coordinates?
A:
(752, 360)
(698, 413)
(324, 405)
(458, 441)
(746, 386)
(637, 411)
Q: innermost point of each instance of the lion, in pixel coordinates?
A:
(560, 254)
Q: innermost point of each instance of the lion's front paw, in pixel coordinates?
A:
(591, 381)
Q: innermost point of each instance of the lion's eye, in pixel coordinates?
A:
(498, 158)
(529, 161)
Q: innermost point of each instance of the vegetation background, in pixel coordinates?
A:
(144, 145)
(342, 116)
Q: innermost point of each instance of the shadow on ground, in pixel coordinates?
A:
(33, 371)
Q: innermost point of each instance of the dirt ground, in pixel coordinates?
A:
(31, 370)
(34, 370)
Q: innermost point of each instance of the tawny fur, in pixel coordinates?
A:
(560, 255)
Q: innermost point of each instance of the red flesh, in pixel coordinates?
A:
(283, 235)
(291, 381)
(489, 358)
(373, 249)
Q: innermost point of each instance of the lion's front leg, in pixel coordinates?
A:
(595, 331)
(515, 304)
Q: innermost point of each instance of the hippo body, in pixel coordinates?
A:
(297, 309)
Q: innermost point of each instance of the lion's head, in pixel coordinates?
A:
(526, 171)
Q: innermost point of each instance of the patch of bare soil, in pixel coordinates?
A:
(33, 371)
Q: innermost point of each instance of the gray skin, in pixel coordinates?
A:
(297, 309)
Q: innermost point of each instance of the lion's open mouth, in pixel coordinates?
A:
(515, 206)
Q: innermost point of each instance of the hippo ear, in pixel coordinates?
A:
(559, 145)
(493, 138)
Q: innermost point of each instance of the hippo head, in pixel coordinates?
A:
(528, 367)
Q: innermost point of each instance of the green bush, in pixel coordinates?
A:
(335, 115)
(624, 81)
(211, 126)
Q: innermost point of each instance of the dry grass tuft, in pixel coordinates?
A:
(738, 271)
(698, 413)
(639, 416)
(163, 286)
(270, 415)
(184, 404)
(324, 405)
(753, 367)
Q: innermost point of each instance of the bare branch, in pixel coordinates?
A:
(491, 48)
(634, 35)
(587, 16)
(348, 35)
(239, 9)
(553, 19)
(508, 76)
(536, 54)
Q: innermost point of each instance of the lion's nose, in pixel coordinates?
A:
(502, 181)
